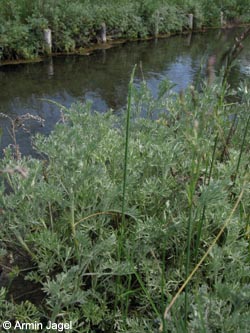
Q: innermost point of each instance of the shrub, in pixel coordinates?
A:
(17, 42)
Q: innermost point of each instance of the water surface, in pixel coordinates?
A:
(103, 77)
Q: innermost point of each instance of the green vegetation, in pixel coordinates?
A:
(119, 210)
(76, 24)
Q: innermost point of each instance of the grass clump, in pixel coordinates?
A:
(108, 242)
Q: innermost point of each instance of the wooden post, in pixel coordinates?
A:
(47, 40)
(190, 21)
(103, 33)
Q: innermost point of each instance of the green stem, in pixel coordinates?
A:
(126, 145)
(200, 226)
(213, 158)
(192, 186)
(125, 168)
(241, 150)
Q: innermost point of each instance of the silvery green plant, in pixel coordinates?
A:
(109, 252)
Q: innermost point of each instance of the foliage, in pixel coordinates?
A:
(16, 42)
(25, 312)
(114, 272)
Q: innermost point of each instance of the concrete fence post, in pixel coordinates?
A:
(157, 20)
(190, 21)
(103, 33)
(47, 40)
(222, 21)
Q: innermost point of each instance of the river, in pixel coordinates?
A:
(103, 77)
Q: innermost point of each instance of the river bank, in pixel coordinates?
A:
(102, 77)
(112, 42)
(80, 26)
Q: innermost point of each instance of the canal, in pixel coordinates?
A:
(103, 77)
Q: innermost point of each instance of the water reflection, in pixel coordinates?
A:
(50, 68)
(103, 76)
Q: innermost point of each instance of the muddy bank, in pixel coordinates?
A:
(113, 42)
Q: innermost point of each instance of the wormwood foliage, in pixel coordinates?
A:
(64, 215)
